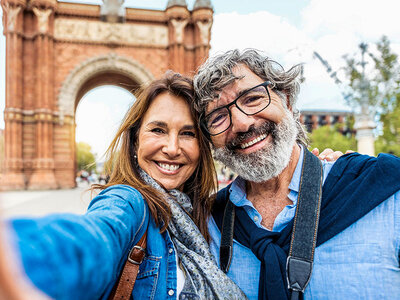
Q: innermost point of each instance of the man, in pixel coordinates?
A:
(248, 110)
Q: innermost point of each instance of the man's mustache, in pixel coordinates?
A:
(268, 127)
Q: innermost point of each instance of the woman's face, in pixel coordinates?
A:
(168, 145)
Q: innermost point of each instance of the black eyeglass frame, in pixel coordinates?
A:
(203, 117)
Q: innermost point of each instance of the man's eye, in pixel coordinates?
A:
(253, 99)
(217, 119)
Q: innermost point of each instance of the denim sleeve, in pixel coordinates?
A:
(71, 256)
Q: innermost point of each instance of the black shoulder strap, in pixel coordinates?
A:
(224, 216)
(304, 234)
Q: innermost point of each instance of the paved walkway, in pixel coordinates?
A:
(37, 203)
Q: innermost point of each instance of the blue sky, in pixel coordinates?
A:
(287, 30)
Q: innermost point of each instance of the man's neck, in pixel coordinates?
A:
(276, 185)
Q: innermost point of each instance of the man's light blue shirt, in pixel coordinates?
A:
(361, 262)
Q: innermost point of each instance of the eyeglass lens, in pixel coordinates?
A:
(250, 103)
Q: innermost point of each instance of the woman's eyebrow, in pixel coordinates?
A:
(188, 127)
(158, 123)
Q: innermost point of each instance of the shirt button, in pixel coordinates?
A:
(171, 292)
(170, 250)
(255, 218)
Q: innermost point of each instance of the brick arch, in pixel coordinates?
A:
(105, 69)
(46, 38)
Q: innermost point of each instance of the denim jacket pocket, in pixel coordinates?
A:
(146, 281)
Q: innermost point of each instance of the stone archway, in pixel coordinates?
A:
(83, 78)
(57, 50)
(106, 69)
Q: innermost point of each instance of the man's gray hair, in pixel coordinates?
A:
(216, 73)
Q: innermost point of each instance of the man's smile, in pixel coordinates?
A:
(253, 141)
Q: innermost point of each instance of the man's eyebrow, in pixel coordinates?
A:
(237, 95)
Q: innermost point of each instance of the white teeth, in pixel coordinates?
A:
(256, 140)
(169, 167)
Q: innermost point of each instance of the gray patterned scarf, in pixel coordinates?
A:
(203, 277)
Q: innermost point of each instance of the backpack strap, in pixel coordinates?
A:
(124, 286)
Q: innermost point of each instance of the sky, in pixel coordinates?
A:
(289, 31)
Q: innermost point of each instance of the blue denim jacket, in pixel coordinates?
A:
(81, 256)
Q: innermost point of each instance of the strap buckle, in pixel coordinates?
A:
(138, 254)
(298, 273)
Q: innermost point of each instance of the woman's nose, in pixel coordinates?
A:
(171, 147)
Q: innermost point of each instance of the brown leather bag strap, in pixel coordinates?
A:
(124, 286)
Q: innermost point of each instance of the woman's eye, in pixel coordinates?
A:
(189, 133)
(157, 130)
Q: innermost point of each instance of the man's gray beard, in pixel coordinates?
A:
(267, 162)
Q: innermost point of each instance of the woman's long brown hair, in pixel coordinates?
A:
(122, 167)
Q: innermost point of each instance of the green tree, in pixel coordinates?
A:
(330, 137)
(382, 89)
(389, 141)
(85, 158)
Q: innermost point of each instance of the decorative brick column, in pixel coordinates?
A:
(43, 41)
(13, 27)
(202, 16)
(178, 18)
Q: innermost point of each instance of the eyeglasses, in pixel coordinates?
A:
(250, 102)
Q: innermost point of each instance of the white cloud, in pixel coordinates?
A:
(261, 30)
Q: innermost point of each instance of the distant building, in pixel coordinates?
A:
(312, 119)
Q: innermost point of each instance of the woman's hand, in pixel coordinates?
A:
(328, 154)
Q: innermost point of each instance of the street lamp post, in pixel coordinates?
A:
(364, 119)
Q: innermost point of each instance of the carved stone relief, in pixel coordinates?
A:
(43, 18)
(179, 26)
(12, 13)
(204, 27)
(101, 32)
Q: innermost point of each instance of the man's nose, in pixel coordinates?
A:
(240, 121)
(172, 147)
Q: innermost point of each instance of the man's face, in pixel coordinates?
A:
(257, 147)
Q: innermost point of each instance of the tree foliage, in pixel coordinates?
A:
(381, 71)
(85, 158)
(382, 87)
(331, 137)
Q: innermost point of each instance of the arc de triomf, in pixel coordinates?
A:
(57, 51)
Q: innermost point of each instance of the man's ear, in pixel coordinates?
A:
(288, 103)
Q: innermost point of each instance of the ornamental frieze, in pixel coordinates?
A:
(101, 32)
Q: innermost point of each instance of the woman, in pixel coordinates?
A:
(159, 161)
